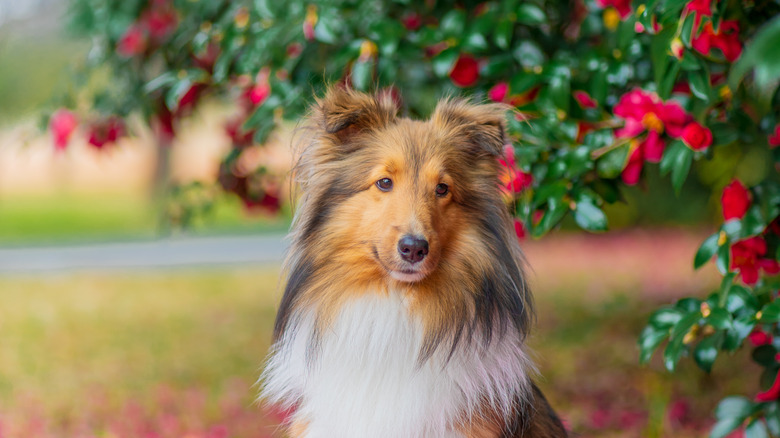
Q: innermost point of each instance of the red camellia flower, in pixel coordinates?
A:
(515, 180)
(735, 200)
(774, 139)
(747, 256)
(633, 169)
(584, 99)
(758, 338)
(412, 21)
(106, 132)
(519, 229)
(133, 42)
(696, 136)
(772, 393)
(498, 92)
(160, 20)
(238, 136)
(726, 39)
(465, 72)
(623, 6)
(62, 124)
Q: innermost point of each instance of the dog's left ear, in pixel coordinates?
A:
(483, 125)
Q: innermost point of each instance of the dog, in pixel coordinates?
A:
(405, 308)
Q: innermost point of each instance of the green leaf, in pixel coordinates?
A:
(700, 84)
(681, 167)
(707, 351)
(764, 355)
(753, 223)
(649, 340)
(743, 325)
(589, 216)
(687, 29)
(453, 23)
(444, 61)
(659, 53)
(530, 14)
(675, 347)
(556, 209)
(529, 55)
(688, 304)
(327, 29)
(475, 42)
(175, 93)
(734, 407)
(720, 318)
(756, 429)
(503, 33)
(725, 427)
(763, 55)
(771, 312)
(772, 416)
(706, 251)
(665, 318)
(362, 74)
(670, 156)
(722, 261)
(611, 164)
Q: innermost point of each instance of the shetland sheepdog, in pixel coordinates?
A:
(405, 308)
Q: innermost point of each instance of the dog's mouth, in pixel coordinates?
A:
(402, 274)
(407, 275)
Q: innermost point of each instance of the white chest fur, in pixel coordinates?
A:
(363, 379)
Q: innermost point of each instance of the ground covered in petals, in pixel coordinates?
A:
(163, 354)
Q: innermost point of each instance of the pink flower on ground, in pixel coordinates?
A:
(62, 124)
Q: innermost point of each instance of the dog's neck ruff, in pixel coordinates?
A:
(361, 376)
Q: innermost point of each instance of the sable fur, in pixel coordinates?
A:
(473, 296)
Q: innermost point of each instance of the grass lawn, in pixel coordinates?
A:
(176, 353)
(43, 219)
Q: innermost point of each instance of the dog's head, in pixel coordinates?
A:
(393, 203)
(400, 193)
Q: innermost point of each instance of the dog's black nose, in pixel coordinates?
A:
(412, 248)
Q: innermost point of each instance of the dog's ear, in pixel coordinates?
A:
(483, 125)
(343, 112)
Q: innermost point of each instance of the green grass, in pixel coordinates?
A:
(83, 350)
(44, 219)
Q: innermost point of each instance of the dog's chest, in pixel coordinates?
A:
(363, 377)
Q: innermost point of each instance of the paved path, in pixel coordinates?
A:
(190, 251)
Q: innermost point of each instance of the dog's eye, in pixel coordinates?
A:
(385, 184)
(442, 190)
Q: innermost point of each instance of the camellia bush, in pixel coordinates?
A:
(600, 90)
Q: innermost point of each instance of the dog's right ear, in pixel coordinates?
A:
(342, 113)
